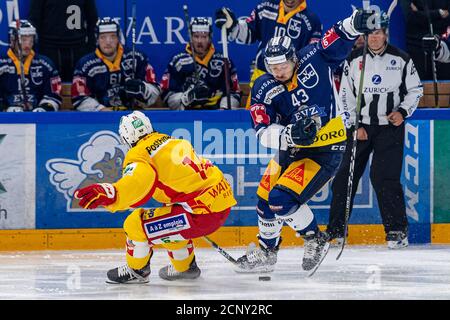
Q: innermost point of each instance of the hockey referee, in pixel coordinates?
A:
(392, 90)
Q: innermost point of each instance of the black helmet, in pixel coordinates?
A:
(107, 24)
(200, 24)
(279, 50)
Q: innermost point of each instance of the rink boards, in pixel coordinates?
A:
(46, 157)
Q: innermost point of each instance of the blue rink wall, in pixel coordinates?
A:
(75, 149)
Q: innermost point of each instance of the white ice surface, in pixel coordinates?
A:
(417, 272)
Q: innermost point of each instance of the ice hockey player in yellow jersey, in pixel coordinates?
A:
(196, 200)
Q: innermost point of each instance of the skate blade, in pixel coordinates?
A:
(256, 270)
(325, 252)
(126, 283)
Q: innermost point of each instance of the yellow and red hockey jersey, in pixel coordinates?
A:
(169, 171)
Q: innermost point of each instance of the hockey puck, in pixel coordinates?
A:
(265, 278)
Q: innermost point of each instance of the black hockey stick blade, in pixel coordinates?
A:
(221, 251)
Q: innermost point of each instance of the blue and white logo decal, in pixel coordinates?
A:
(376, 79)
(164, 226)
(308, 77)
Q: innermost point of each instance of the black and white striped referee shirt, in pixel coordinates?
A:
(391, 83)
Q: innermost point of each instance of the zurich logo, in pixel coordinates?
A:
(376, 79)
(393, 62)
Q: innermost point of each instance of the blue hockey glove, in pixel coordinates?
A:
(224, 16)
(196, 94)
(135, 88)
(364, 21)
(301, 133)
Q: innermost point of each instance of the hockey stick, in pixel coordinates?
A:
(433, 53)
(354, 141)
(221, 251)
(19, 52)
(191, 44)
(133, 45)
(133, 35)
(125, 19)
(23, 90)
(226, 65)
(389, 13)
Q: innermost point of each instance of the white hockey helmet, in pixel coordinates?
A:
(133, 127)
(21, 28)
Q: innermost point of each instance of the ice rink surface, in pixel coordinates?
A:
(417, 272)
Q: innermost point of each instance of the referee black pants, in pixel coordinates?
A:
(386, 142)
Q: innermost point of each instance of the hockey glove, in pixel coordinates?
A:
(196, 94)
(361, 21)
(224, 16)
(14, 109)
(99, 194)
(431, 43)
(135, 88)
(44, 108)
(301, 133)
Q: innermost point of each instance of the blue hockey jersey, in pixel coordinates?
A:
(311, 93)
(180, 73)
(98, 82)
(268, 20)
(42, 83)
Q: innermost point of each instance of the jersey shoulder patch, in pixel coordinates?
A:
(266, 88)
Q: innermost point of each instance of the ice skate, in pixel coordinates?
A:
(316, 248)
(169, 273)
(127, 275)
(397, 240)
(257, 259)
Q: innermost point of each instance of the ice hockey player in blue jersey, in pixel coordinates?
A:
(269, 19)
(199, 85)
(28, 81)
(293, 109)
(113, 77)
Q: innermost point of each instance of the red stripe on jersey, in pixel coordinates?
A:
(146, 198)
(235, 83)
(176, 196)
(259, 114)
(55, 83)
(79, 87)
(150, 193)
(329, 38)
(150, 75)
(165, 81)
(251, 17)
(197, 204)
(130, 247)
(190, 247)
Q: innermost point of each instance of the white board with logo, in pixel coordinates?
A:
(17, 176)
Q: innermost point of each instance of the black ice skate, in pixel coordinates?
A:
(316, 248)
(126, 275)
(397, 239)
(169, 273)
(258, 259)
